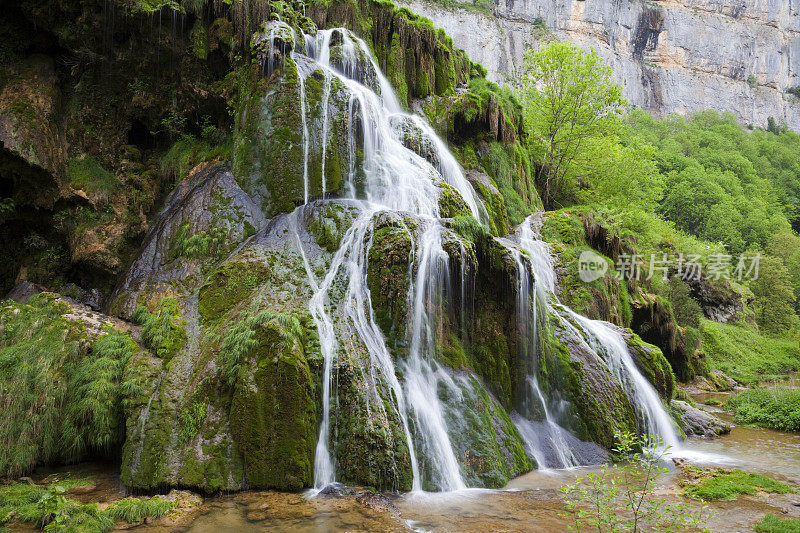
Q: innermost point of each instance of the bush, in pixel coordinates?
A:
(777, 408)
(625, 498)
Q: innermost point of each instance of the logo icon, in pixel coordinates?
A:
(591, 266)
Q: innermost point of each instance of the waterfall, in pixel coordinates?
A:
(397, 179)
(600, 337)
(384, 175)
(545, 441)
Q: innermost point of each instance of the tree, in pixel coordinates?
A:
(773, 296)
(568, 99)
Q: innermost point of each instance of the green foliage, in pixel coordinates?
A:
(776, 408)
(772, 524)
(794, 91)
(162, 331)
(189, 151)
(240, 339)
(47, 508)
(625, 499)
(774, 297)
(729, 484)
(192, 419)
(85, 173)
(687, 311)
(723, 182)
(60, 398)
(752, 81)
(93, 418)
(568, 99)
(744, 355)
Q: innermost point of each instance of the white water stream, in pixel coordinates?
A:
(396, 179)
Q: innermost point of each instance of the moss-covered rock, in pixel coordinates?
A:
(273, 413)
(487, 444)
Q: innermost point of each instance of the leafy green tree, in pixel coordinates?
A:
(773, 296)
(568, 99)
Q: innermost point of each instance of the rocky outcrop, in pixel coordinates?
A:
(672, 56)
(695, 421)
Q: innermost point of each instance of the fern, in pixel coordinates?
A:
(240, 339)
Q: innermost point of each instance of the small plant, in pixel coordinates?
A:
(772, 524)
(623, 497)
(240, 339)
(796, 92)
(192, 418)
(727, 485)
(133, 510)
(538, 23)
(752, 81)
(162, 331)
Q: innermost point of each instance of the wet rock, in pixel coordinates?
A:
(23, 291)
(204, 219)
(695, 421)
(334, 490)
(28, 105)
(377, 501)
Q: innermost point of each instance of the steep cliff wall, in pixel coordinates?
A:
(672, 56)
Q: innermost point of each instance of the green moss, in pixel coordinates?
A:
(189, 151)
(729, 484)
(487, 443)
(598, 409)
(653, 366)
(199, 38)
(388, 275)
(163, 330)
(231, 284)
(329, 224)
(85, 173)
(273, 413)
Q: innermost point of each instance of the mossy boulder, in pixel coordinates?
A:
(487, 444)
(273, 413)
(652, 364)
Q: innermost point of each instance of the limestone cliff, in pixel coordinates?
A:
(671, 56)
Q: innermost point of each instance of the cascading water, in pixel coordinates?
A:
(603, 340)
(387, 176)
(392, 178)
(545, 440)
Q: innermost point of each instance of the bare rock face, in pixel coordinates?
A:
(672, 56)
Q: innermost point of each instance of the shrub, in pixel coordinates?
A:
(776, 408)
(625, 499)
